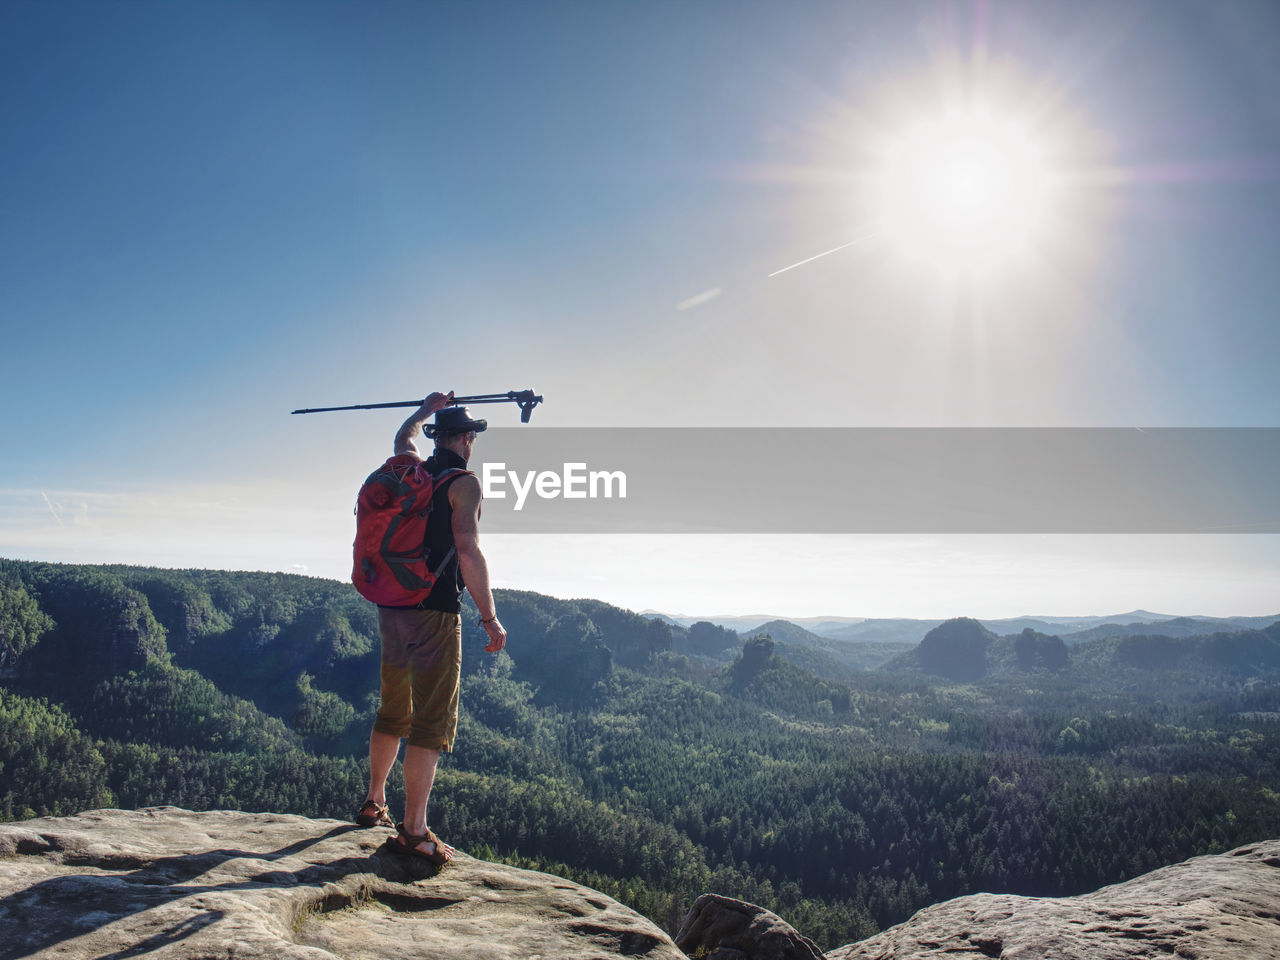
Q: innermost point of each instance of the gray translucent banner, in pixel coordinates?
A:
(879, 480)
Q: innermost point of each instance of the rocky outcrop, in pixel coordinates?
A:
(1224, 907)
(171, 883)
(174, 884)
(720, 928)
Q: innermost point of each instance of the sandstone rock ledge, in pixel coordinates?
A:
(1223, 907)
(168, 883)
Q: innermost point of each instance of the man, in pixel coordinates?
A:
(422, 646)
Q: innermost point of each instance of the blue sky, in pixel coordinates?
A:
(213, 213)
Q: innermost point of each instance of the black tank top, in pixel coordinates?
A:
(447, 593)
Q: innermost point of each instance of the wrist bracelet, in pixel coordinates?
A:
(483, 620)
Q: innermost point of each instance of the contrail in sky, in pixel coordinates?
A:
(865, 236)
(699, 299)
(48, 503)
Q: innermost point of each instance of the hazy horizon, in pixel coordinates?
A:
(761, 617)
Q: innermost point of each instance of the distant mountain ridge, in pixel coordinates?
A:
(963, 650)
(825, 656)
(751, 623)
(1176, 627)
(911, 630)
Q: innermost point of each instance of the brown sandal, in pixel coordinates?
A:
(409, 844)
(374, 814)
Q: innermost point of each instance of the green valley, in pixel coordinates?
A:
(843, 787)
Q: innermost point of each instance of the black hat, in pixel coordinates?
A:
(454, 420)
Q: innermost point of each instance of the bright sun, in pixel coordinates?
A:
(967, 190)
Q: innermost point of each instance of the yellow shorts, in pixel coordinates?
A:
(421, 676)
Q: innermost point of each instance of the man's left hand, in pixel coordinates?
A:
(497, 635)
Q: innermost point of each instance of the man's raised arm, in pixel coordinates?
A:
(409, 429)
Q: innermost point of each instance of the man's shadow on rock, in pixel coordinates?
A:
(399, 866)
(179, 931)
(84, 903)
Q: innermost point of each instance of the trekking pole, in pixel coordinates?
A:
(525, 399)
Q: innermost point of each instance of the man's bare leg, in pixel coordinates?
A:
(383, 748)
(419, 776)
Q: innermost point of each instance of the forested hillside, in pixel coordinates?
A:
(652, 761)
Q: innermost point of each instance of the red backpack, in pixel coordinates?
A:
(392, 508)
